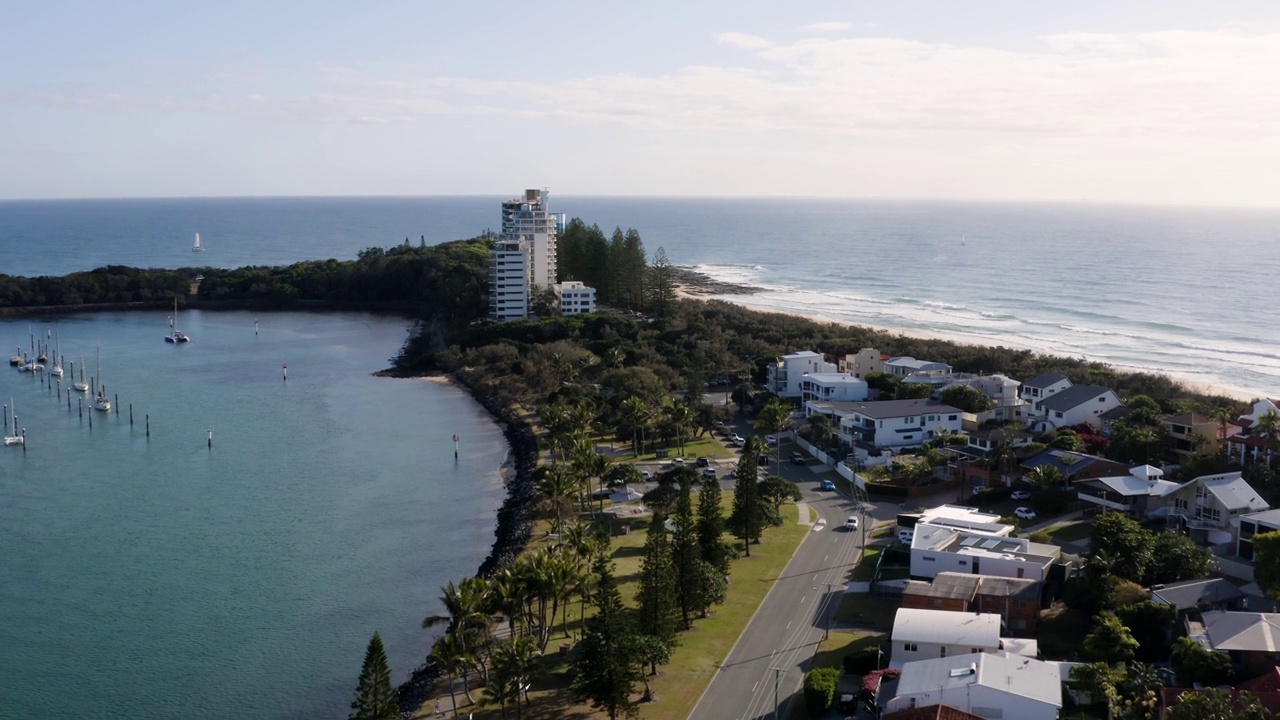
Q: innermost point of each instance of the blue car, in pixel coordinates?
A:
(826, 485)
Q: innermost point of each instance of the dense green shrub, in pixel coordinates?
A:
(820, 690)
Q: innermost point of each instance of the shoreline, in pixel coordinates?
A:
(694, 285)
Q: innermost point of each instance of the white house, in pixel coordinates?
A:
(1210, 507)
(1043, 385)
(785, 375)
(960, 517)
(905, 365)
(999, 686)
(937, 548)
(574, 298)
(1260, 408)
(1072, 406)
(899, 423)
(1135, 494)
(928, 634)
(832, 387)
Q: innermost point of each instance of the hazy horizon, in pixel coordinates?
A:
(996, 100)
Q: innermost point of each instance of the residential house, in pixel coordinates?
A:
(1074, 466)
(957, 517)
(832, 387)
(928, 634)
(991, 440)
(1072, 406)
(903, 366)
(867, 360)
(1209, 507)
(1252, 639)
(1192, 432)
(1255, 524)
(574, 298)
(1198, 595)
(1260, 408)
(1249, 446)
(1135, 494)
(898, 423)
(1017, 602)
(936, 549)
(786, 374)
(990, 685)
(1108, 419)
(1042, 386)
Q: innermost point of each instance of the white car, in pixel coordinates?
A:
(906, 536)
(1025, 513)
(771, 439)
(737, 440)
(1020, 495)
(646, 475)
(852, 523)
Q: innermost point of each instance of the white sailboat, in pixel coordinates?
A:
(197, 247)
(175, 336)
(16, 438)
(101, 402)
(80, 385)
(56, 370)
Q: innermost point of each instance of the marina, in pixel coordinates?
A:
(144, 563)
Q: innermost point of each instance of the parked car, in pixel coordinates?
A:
(763, 460)
(1025, 513)
(733, 472)
(646, 475)
(709, 472)
(906, 536)
(1020, 495)
(826, 485)
(703, 461)
(851, 523)
(797, 458)
(678, 462)
(771, 439)
(737, 439)
(847, 704)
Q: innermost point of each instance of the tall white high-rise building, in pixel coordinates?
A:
(527, 218)
(509, 280)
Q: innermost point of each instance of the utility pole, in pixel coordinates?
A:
(777, 675)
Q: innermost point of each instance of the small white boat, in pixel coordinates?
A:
(80, 385)
(16, 438)
(56, 370)
(101, 402)
(197, 247)
(175, 336)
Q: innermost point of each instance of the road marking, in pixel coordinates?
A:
(824, 557)
(753, 687)
(788, 627)
(802, 599)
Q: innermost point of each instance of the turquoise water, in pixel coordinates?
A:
(156, 577)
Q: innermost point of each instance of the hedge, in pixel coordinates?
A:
(820, 690)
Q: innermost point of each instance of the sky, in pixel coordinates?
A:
(1170, 103)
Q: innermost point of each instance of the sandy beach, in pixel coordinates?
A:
(694, 285)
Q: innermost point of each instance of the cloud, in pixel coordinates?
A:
(742, 40)
(824, 27)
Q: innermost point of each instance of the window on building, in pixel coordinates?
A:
(910, 647)
(942, 651)
(1021, 572)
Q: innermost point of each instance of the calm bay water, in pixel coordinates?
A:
(149, 578)
(1185, 291)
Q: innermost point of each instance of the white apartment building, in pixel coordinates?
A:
(787, 373)
(832, 387)
(509, 281)
(935, 549)
(895, 423)
(574, 298)
(527, 218)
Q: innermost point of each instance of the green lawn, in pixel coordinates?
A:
(706, 445)
(866, 569)
(1078, 530)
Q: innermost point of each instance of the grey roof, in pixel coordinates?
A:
(1190, 594)
(1067, 461)
(945, 585)
(1073, 396)
(1044, 380)
(1007, 587)
(1116, 413)
(1243, 631)
(882, 409)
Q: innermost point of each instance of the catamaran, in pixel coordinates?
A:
(197, 247)
(175, 336)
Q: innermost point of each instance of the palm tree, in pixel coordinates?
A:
(517, 660)
(635, 415)
(1224, 416)
(1268, 428)
(1045, 477)
(679, 415)
(819, 428)
(467, 605)
(557, 486)
(453, 658)
(775, 417)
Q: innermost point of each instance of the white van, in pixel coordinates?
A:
(906, 536)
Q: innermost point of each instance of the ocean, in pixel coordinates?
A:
(1185, 291)
(160, 577)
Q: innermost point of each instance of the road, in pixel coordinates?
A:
(787, 627)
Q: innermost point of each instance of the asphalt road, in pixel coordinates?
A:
(786, 629)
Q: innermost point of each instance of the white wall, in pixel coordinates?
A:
(932, 651)
(982, 701)
(923, 567)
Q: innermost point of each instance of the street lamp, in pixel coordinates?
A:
(826, 620)
(777, 675)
